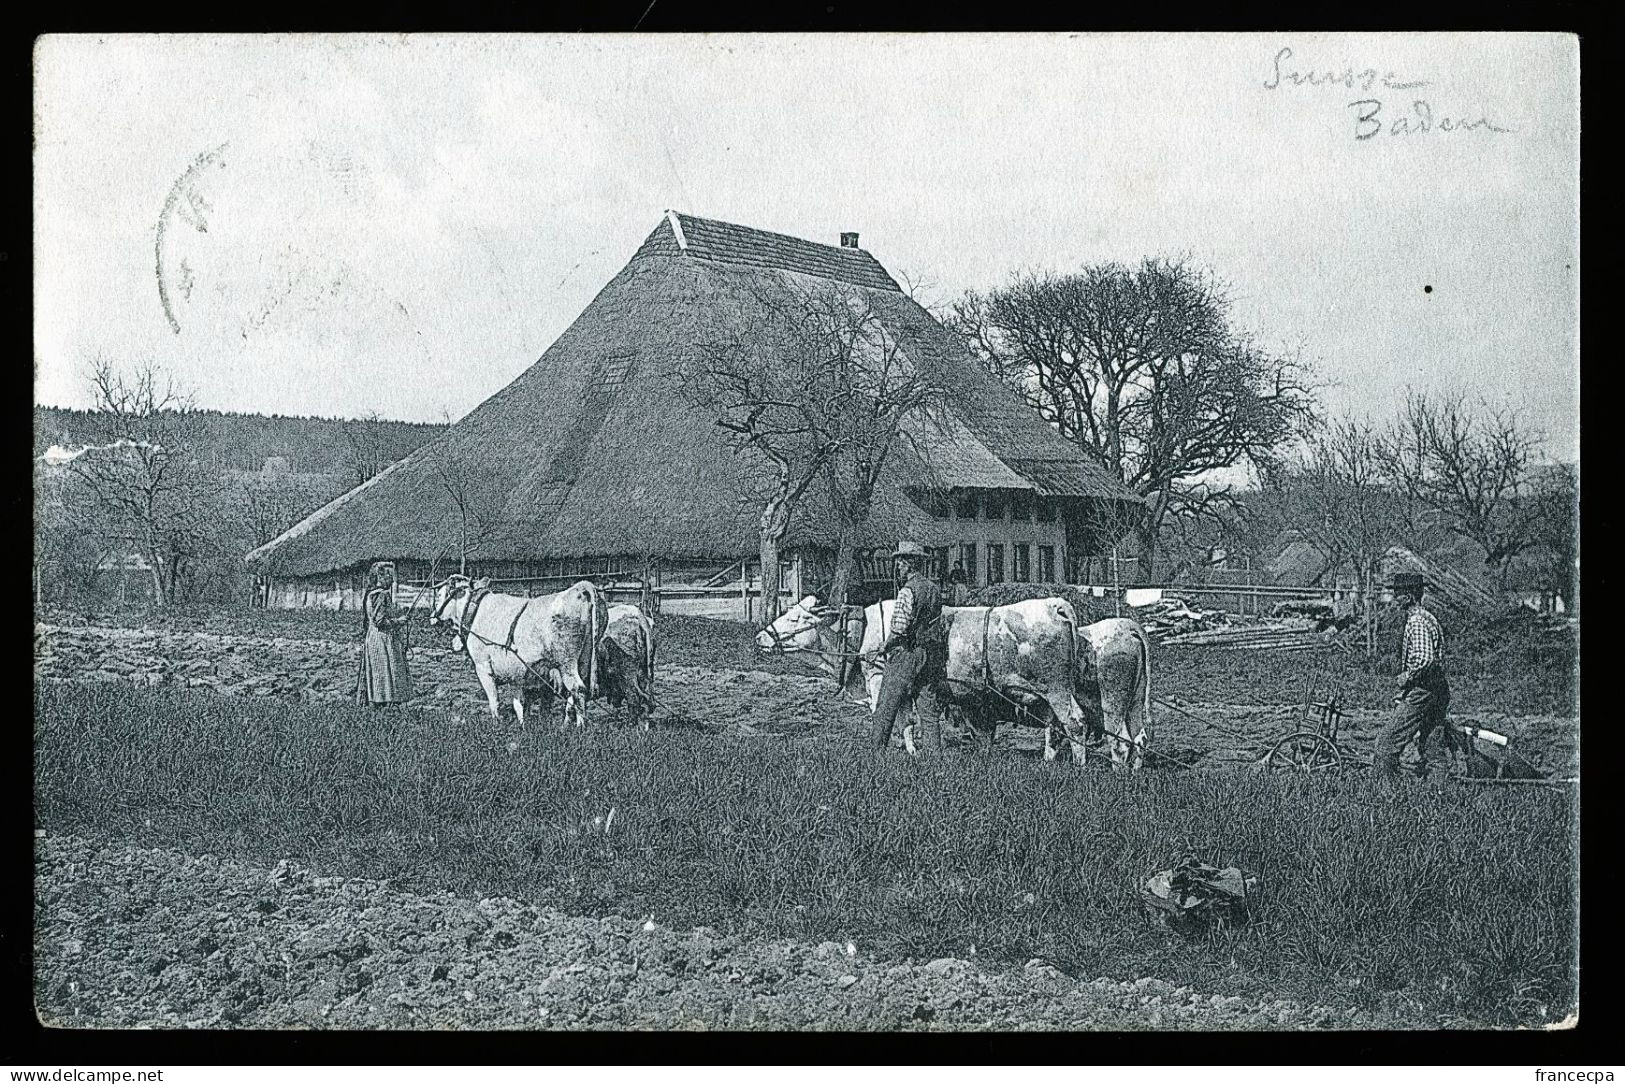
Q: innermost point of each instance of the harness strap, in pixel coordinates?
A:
(470, 635)
(466, 625)
(512, 627)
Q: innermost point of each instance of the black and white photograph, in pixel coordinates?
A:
(871, 532)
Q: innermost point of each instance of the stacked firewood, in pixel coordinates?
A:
(1172, 616)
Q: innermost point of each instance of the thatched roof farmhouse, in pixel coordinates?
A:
(590, 463)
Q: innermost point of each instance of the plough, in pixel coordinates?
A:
(1313, 748)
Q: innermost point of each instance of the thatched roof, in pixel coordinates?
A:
(590, 451)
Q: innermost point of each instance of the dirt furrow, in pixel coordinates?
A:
(129, 937)
(321, 670)
(1197, 733)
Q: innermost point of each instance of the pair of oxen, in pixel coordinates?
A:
(571, 643)
(1028, 662)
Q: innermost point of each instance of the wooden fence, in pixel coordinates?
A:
(732, 592)
(1253, 600)
(735, 592)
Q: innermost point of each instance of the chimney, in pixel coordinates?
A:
(849, 240)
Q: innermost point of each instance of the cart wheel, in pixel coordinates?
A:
(1305, 752)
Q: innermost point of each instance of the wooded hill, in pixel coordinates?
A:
(246, 441)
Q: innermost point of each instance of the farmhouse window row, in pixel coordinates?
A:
(993, 506)
(985, 562)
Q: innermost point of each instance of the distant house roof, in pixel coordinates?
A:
(1300, 563)
(593, 451)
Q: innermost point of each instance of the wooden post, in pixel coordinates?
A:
(1117, 595)
(1370, 617)
(744, 587)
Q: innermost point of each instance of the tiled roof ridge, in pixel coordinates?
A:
(684, 216)
(721, 241)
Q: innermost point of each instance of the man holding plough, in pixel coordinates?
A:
(1424, 692)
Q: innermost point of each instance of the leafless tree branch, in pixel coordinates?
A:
(150, 489)
(1140, 367)
(812, 386)
(1473, 466)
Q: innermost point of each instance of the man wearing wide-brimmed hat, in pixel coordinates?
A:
(1424, 693)
(916, 647)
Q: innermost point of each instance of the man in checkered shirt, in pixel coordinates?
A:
(1424, 693)
(917, 644)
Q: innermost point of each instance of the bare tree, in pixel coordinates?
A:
(1140, 367)
(924, 289)
(813, 387)
(72, 540)
(1337, 496)
(366, 454)
(147, 483)
(876, 388)
(759, 404)
(475, 516)
(1101, 520)
(1473, 467)
(265, 511)
(1556, 542)
(266, 506)
(1211, 520)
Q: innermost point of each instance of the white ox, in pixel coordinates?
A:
(626, 667)
(527, 643)
(1000, 658)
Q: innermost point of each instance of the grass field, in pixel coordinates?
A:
(1445, 904)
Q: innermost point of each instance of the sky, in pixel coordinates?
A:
(339, 225)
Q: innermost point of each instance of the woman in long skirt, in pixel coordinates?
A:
(383, 677)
